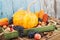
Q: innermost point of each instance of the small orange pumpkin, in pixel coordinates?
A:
(45, 18)
(40, 14)
(3, 21)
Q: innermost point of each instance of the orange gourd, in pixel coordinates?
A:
(40, 14)
(3, 21)
(45, 18)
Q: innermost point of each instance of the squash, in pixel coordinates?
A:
(45, 18)
(3, 21)
(25, 19)
(40, 14)
(11, 35)
(40, 29)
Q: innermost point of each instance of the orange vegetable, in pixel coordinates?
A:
(40, 14)
(25, 19)
(3, 21)
(45, 18)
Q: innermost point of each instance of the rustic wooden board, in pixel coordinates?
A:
(0, 7)
(8, 7)
(7, 10)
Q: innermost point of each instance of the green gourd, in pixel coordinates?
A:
(41, 29)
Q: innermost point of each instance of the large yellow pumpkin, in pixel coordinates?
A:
(25, 19)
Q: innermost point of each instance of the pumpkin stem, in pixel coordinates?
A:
(28, 8)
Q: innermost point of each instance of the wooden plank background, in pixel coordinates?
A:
(8, 7)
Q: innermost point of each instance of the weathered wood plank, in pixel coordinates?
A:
(7, 8)
(0, 8)
(17, 4)
(58, 8)
(37, 6)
